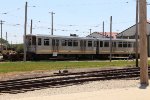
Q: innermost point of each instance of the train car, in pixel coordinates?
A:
(47, 46)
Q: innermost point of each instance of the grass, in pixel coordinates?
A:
(6, 67)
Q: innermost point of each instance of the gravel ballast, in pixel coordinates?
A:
(86, 87)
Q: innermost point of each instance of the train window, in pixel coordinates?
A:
(64, 42)
(29, 41)
(57, 42)
(75, 43)
(84, 43)
(101, 43)
(81, 43)
(129, 44)
(124, 44)
(120, 44)
(39, 41)
(89, 43)
(33, 40)
(53, 42)
(106, 44)
(69, 42)
(95, 43)
(114, 44)
(46, 42)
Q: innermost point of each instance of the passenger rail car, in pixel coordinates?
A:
(44, 46)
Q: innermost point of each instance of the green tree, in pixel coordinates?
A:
(19, 48)
(4, 41)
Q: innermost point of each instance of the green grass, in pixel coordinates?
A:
(6, 67)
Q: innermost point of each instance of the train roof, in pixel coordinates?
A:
(59, 36)
(74, 37)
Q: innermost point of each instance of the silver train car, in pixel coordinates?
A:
(47, 46)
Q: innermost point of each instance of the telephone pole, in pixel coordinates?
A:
(31, 27)
(52, 29)
(110, 38)
(31, 31)
(6, 40)
(136, 33)
(1, 22)
(103, 29)
(25, 31)
(90, 31)
(143, 42)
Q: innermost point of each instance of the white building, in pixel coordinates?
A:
(129, 33)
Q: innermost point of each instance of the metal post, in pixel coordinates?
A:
(31, 27)
(31, 32)
(1, 34)
(103, 29)
(25, 30)
(136, 33)
(143, 42)
(6, 40)
(110, 38)
(90, 31)
(52, 30)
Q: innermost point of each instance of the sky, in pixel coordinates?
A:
(71, 16)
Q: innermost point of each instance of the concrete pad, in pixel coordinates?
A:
(135, 93)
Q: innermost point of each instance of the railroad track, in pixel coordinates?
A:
(66, 79)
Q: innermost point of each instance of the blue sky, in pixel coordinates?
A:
(71, 16)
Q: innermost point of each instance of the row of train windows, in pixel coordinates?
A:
(75, 43)
(55, 42)
(116, 44)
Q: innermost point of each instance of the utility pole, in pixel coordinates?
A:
(31, 31)
(110, 38)
(103, 29)
(25, 32)
(31, 27)
(52, 30)
(136, 33)
(143, 42)
(90, 31)
(6, 40)
(11, 46)
(1, 34)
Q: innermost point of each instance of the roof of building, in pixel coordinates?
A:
(100, 34)
(131, 30)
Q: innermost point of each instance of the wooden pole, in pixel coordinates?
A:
(143, 42)
(136, 33)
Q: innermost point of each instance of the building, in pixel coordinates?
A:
(129, 33)
(100, 35)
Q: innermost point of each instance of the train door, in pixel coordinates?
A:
(55, 46)
(97, 47)
(83, 45)
(31, 43)
(114, 44)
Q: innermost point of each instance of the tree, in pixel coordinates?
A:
(4, 41)
(19, 48)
